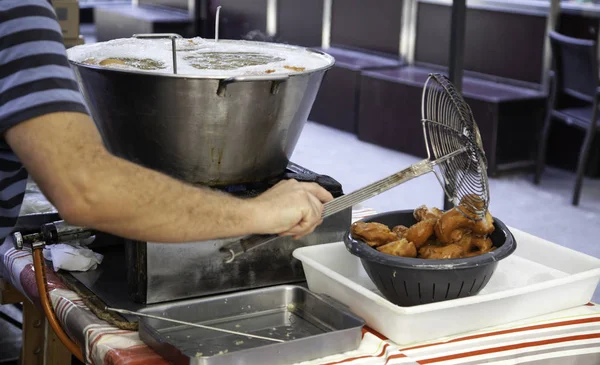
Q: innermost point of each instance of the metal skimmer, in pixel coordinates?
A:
(454, 153)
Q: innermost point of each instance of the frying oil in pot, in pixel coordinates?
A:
(229, 60)
(199, 57)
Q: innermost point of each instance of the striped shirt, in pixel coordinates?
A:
(35, 79)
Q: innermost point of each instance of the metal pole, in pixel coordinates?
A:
(326, 31)
(408, 31)
(271, 26)
(457, 49)
(551, 25)
(457, 42)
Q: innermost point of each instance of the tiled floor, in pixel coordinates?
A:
(544, 210)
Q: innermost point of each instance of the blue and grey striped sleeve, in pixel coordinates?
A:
(35, 76)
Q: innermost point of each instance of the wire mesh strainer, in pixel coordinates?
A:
(454, 153)
(449, 126)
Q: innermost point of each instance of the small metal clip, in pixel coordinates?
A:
(172, 36)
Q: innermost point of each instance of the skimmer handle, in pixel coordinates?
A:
(248, 243)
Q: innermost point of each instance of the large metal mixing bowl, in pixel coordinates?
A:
(202, 130)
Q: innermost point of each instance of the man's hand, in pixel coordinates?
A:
(95, 189)
(291, 208)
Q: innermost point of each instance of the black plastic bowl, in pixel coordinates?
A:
(412, 281)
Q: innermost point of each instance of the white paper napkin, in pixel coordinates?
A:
(72, 257)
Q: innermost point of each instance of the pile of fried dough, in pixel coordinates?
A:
(436, 235)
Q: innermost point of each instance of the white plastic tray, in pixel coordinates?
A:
(540, 277)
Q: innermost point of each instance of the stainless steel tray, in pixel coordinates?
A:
(313, 326)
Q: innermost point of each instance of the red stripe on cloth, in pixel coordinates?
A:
(60, 307)
(93, 343)
(135, 355)
(54, 282)
(375, 333)
(360, 357)
(9, 256)
(396, 356)
(65, 304)
(510, 347)
(13, 255)
(28, 283)
(10, 252)
(515, 330)
(590, 304)
(10, 262)
(13, 258)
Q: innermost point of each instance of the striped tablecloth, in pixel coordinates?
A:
(568, 337)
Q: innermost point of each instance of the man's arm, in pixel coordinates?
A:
(44, 120)
(90, 187)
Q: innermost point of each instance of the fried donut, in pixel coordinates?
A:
(472, 200)
(295, 68)
(419, 233)
(451, 226)
(436, 235)
(434, 252)
(478, 253)
(466, 242)
(484, 226)
(402, 248)
(373, 233)
(400, 231)
(423, 213)
(479, 226)
(111, 61)
(478, 246)
(483, 244)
